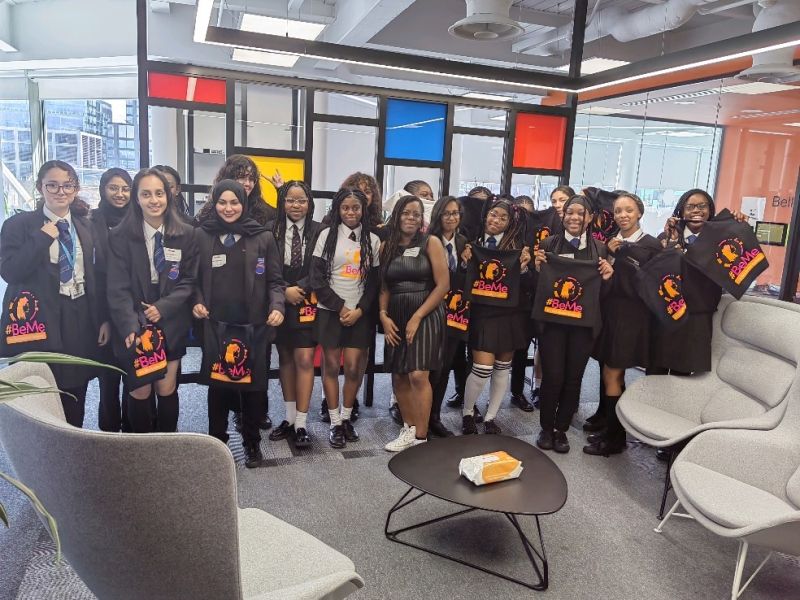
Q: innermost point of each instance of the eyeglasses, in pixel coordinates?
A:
(451, 214)
(297, 201)
(411, 215)
(248, 179)
(115, 189)
(53, 187)
(693, 207)
(499, 215)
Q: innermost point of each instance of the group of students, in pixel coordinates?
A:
(137, 279)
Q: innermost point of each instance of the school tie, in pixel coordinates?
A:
(352, 236)
(229, 240)
(491, 243)
(691, 239)
(65, 241)
(451, 260)
(297, 247)
(575, 243)
(159, 262)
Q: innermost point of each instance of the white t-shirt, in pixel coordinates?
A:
(345, 275)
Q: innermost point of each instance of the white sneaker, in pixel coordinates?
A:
(403, 441)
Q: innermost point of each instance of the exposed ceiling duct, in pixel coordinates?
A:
(487, 20)
(775, 66)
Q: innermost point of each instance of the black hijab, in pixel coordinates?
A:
(246, 225)
(113, 214)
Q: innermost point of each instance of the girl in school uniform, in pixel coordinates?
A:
(47, 258)
(239, 283)
(415, 280)
(115, 196)
(418, 188)
(445, 221)
(624, 340)
(174, 180)
(565, 349)
(368, 185)
(152, 270)
(296, 232)
(344, 275)
(496, 332)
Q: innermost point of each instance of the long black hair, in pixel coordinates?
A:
(391, 247)
(279, 227)
(132, 223)
(113, 214)
(684, 199)
(435, 227)
(335, 219)
(356, 180)
(515, 233)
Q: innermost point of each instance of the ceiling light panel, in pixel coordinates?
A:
(492, 97)
(304, 30)
(757, 87)
(597, 65)
(273, 59)
(602, 110)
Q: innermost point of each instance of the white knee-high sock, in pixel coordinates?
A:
(498, 387)
(474, 386)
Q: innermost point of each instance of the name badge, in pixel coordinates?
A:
(172, 254)
(76, 291)
(567, 255)
(260, 266)
(218, 260)
(412, 252)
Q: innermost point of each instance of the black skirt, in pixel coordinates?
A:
(424, 353)
(78, 340)
(331, 334)
(624, 340)
(292, 337)
(498, 332)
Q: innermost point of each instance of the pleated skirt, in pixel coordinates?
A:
(425, 352)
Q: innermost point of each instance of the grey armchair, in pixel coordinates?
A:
(155, 515)
(754, 361)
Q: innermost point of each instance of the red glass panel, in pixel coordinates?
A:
(539, 141)
(186, 88)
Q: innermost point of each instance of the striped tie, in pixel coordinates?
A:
(65, 261)
(451, 261)
(159, 262)
(229, 240)
(297, 248)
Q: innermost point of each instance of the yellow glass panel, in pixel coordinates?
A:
(289, 168)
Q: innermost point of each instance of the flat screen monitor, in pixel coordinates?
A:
(771, 234)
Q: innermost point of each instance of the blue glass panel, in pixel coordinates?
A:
(415, 130)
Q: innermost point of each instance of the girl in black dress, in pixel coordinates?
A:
(239, 283)
(296, 232)
(624, 340)
(496, 332)
(47, 258)
(344, 275)
(152, 271)
(565, 349)
(115, 195)
(415, 280)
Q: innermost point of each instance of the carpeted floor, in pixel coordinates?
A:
(600, 545)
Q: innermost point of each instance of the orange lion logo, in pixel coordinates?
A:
(492, 270)
(729, 252)
(235, 353)
(455, 302)
(151, 340)
(567, 289)
(23, 307)
(670, 287)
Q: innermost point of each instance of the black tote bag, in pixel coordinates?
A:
(493, 277)
(604, 226)
(728, 253)
(302, 316)
(456, 308)
(146, 361)
(568, 292)
(234, 356)
(659, 285)
(28, 322)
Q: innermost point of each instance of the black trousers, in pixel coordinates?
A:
(564, 351)
(74, 408)
(454, 359)
(251, 405)
(112, 413)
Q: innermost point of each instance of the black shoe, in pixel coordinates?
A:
(560, 442)
(604, 448)
(468, 425)
(282, 431)
(252, 456)
(662, 454)
(437, 428)
(323, 412)
(350, 434)
(594, 438)
(336, 437)
(535, 398)
(521, 402)
(301, 438)
(477, 414)
(265, 423)
(354, 414)
(491, 427)
(237, 422)
(545, 439)
(455, 401)
(394, 412)
(594, 426)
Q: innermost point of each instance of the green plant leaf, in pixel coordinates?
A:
(59, 359)
(26, 389)
(3, 515)
(39, 507)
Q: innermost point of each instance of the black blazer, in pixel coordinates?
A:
(303, 278)
(263, 292)
(25, 259)
(129, 283)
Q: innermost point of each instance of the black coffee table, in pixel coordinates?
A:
(432, 469)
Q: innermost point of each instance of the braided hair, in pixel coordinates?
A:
(681, 205)
(335, 219)
(391, 247)
(279, 226)
(515, 233)
(359, 179)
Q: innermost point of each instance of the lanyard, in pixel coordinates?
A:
(70, 254)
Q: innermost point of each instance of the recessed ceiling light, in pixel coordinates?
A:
(480, 96)
(264, 58)
(770, 132)
(602, 110)
(754, 111)
(596, 65)
(757, 87)
(684, 102)
(792, 124)
(304, 30)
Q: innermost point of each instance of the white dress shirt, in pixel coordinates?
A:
(74, 285)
